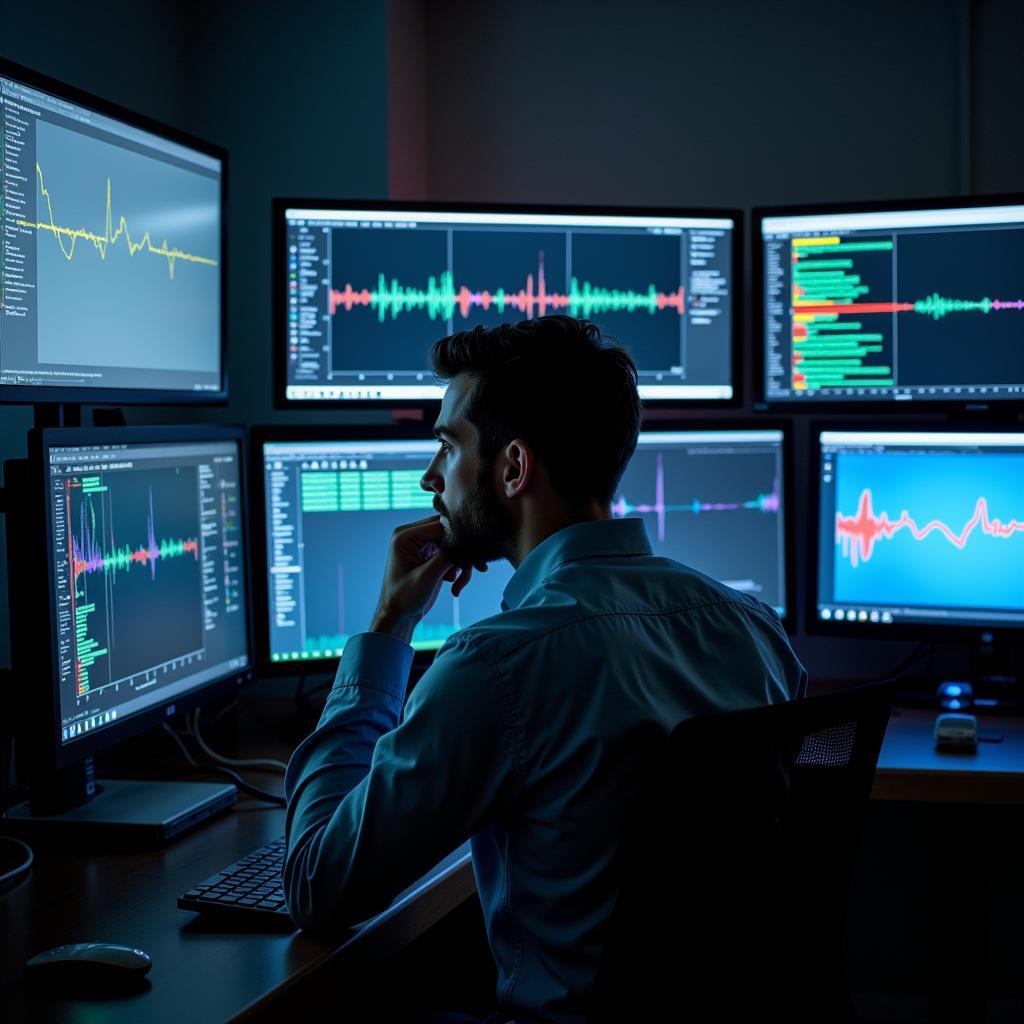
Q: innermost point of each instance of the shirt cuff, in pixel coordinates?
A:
(378, 660)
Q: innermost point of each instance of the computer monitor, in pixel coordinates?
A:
(331, 501)
(917, 302)
(920, 532)
(712, 498)
(134, 603)
(715, 499)
(112, 268)
(363, 289)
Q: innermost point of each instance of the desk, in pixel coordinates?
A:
(925, 890)
(910, 768)
(203, 972)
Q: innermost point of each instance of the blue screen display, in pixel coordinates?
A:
(712, 499)
(922, 528)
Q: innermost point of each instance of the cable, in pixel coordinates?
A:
(247, 787)
(257, 762)
(224, 711)
(7, 876)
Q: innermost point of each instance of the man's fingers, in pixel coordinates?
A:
(480, 566)
(430, 526)
(436, 567)
(465, 575)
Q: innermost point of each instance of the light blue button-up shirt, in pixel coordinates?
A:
(525, 734)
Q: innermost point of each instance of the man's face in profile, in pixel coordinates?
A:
(478, 526)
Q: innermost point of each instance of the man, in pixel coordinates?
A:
(528, 731)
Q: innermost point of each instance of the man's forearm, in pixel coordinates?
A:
(364, 704)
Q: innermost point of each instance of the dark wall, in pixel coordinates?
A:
(713, 102)
(728, 103)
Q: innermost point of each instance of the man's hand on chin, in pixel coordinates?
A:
(416, 568)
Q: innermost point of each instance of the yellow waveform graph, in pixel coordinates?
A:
(67, 238)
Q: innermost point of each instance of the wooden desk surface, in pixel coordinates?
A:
(910, 768)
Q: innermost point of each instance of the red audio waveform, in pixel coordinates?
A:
(858, 533)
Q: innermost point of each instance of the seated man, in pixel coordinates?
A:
(529, 730)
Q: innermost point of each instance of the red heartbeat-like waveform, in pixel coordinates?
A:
(858, 533)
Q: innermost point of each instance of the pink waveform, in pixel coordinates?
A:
(1003, 304)
(858, 533)
(622, 508)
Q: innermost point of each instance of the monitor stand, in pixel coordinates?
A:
(996, 688)
(72, 803)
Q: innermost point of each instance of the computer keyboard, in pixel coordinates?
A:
(250, 889)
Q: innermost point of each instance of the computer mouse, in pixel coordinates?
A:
(956, 733)
(89, 964)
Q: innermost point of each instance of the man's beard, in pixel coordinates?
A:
(481, 529)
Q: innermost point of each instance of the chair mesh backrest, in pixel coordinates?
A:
(829, 747)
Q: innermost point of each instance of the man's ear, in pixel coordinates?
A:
(519, 467)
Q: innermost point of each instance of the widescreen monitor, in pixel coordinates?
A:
(147, 569)
(363, 290)
(893, 303)
(920, 530)
(113, 258)
(714, 499)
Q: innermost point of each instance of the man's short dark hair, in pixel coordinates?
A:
(561, 386)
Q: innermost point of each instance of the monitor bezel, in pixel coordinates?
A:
(57, 754)
(408, 430)
(27, 394)
(825, 407)
(954, 632)
(279, 331)
(756, 423)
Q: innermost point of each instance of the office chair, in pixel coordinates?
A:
(734, 871)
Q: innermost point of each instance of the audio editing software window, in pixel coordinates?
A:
(110, 265)
(331, 509)
(366, 293)
(147, 575)
(711, 499)
(903, 305)
(921, 528)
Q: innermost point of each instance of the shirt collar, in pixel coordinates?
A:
(596, 539)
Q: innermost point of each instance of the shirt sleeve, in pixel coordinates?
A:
(376, 798)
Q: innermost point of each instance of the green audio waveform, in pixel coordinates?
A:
(440, 299)
(122, 558)
(937, 306)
